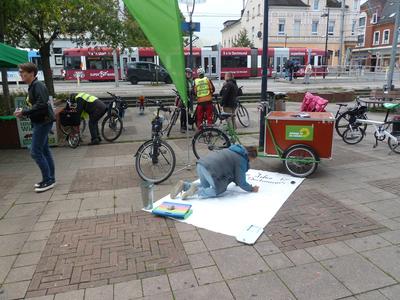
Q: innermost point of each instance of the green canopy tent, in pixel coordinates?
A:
(160, 20)
(11, 57)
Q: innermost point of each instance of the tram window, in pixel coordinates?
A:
(93, 63)
(38, 62)
(148, 59)
(108, 63)
(270, 61)
(72, 62)
(298, 59)
(316, 60)
(234, 61)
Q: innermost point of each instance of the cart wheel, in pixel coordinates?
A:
(300, 160)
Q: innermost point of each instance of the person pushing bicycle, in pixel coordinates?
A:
(204, 90)
(89, 105)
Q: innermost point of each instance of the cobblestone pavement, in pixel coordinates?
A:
(337, 237)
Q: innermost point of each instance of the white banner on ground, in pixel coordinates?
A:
(235, 210)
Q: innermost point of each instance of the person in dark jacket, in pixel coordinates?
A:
(95, 108)
(189, 87)
(229, 93)
(217, 170)
(42, 117)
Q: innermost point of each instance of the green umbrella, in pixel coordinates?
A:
(10, 57)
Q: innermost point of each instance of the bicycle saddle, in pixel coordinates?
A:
(224, 115)
(391, 105)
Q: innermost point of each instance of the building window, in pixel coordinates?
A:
(355, 4)
(296, 27)
(253, 34)
(386, 36)
(361, 22)
(331, 28)
(281, 27)
(314, 28)
(374, 18)
(259, 10)
(316, 5)
(360, 40)
(254, 14)
(376, 38)
(248, 15)
(353, 27)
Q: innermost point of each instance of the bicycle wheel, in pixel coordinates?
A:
(65, 129)
(243, 116)
(73, 139)
(172, 123)
(353, 135)
(155, 161)
(209, 139)
(300, 161)
(346, 118)
(394, 145)
(215, 114)
(111, 127)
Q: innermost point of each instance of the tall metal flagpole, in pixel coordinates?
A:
(264, 83)
(394, 49)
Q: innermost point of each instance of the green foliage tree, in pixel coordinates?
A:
(82, 20)
(242, 40)
(134, 34)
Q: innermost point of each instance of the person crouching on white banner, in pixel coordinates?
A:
(217, 170)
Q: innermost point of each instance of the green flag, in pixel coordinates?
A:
(160, 20)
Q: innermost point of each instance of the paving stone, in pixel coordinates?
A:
(278, 261)
(17, 225)
(194, 247)
(6, 263)
(390, 223)
(62, 206)
(189, 236)
(388, 259)
(320, 252)
(388, 208)
(128, 290)
(367, 243)
(27, 259)
(97, 203)
(373, 295)
(20, 274)
(39, 235)
(180, 227)
(15, 290)
(211, 291)
(48, 225)
(260, 286)
(155, 285)
(71, 295)
(12, 244)
(163, 296)
(214, 241)
(299, 257)
(182, 280)
(48, 297)
(23, 210)
(208, 275)
(391, 292)
(311, 281)
(200, 260)
(392, 236)
(357, 274)
(239, 261)
(99, 293)
(4, 209)
(340, 248)
(266, 248)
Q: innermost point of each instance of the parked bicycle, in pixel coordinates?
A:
(155, 159)
(349, 116)
(112, 125)
(71, 124)
(383, 129)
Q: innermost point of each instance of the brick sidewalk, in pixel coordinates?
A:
(337, 237)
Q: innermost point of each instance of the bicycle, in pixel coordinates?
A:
(155, 159)
(349, 117)
(241, 112)
(112, 125)
(355, 134)
(214, 139)
(71, 125)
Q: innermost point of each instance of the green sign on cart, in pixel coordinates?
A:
(299, 133)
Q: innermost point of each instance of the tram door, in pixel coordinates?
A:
(281, 57)
(254, 62)
(210, 62)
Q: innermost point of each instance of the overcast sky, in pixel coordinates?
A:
(211, 15)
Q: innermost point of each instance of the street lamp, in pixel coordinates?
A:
(190, 5)
(326, 15)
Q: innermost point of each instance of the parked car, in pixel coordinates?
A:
(146, 71)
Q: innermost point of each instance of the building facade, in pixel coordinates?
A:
(297, 23)
(375, 36)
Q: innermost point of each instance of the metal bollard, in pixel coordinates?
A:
(147, 189)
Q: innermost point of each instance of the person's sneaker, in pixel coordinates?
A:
(94, 142)
(177, 189)
(38, 184)
(45, 186)
(190, 192)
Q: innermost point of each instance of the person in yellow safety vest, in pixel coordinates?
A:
(204, 90)
(87, 104)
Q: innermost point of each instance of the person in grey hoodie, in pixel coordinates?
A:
(217, 170)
